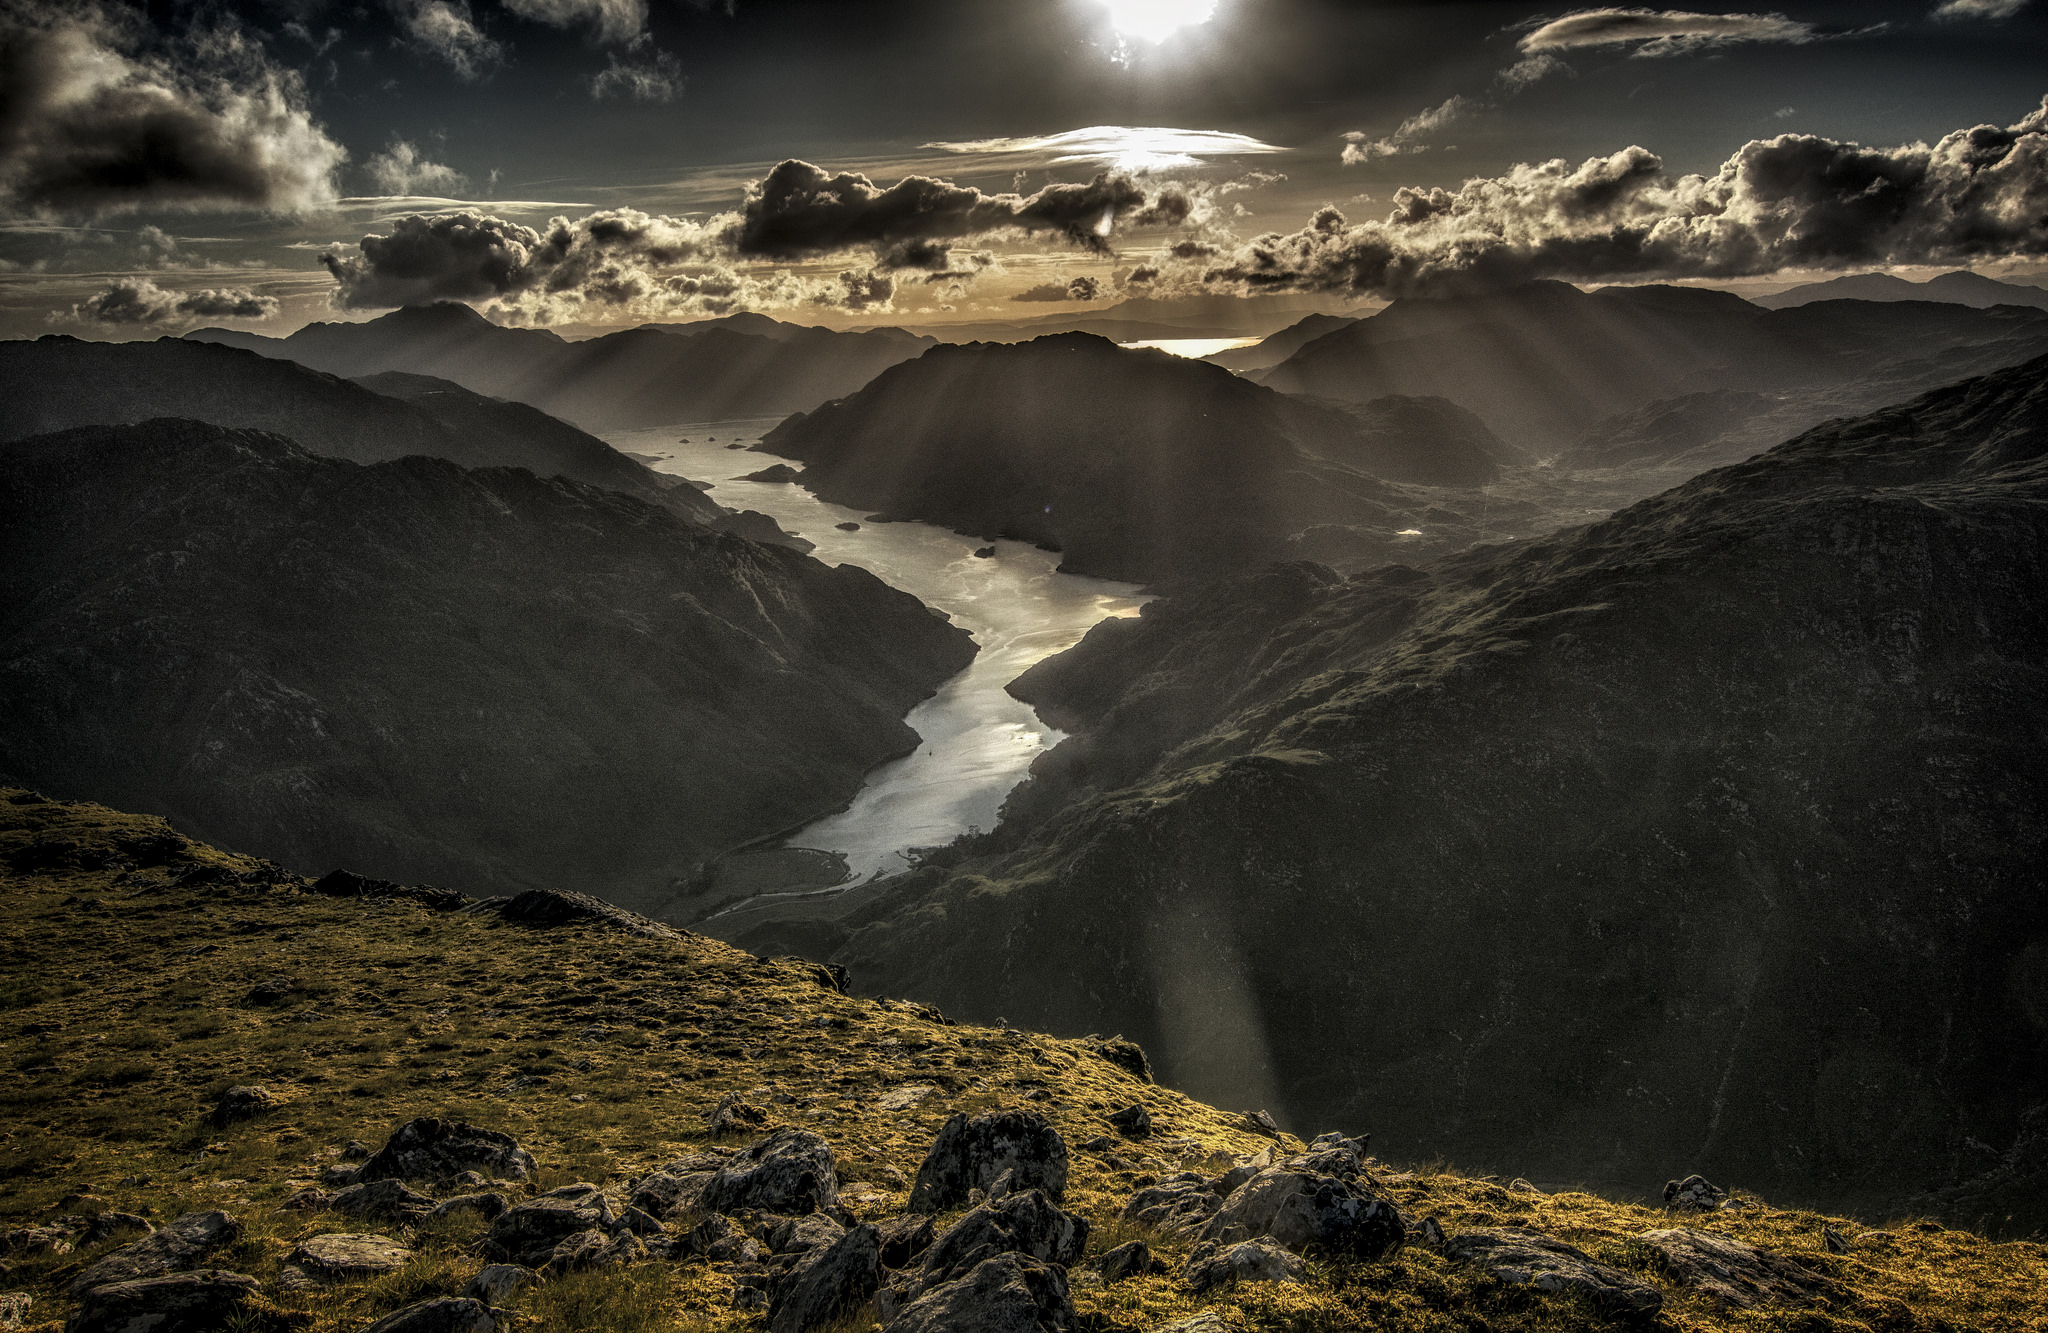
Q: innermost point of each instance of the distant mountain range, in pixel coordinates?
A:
(651, 376)
(477, 678)
(1544, 364)
(1960, 288)
(1708, 837)
(1141, 319)
(1274, 349)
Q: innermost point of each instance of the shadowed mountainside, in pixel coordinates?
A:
(470, 677)
(1960, 288)
(1279, 346)
(1711, 832)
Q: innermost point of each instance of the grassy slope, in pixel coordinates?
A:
(121, 1008)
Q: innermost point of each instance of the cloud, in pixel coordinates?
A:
(1134, 149)
(1516, 78)
(1979, 9)
(93, 123)
(140, 301)
(798, 211)
(1795, 201)
(1663, 32)
(608, 20)
(1082, 288)
(444, 30)
(400, 170)
(1359, 147)
(859, 289)
(652, 77)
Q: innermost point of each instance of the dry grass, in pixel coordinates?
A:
(123, 1015)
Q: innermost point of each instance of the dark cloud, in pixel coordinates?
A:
(1082, 288)
(798, 211)
(606, 20)
(859, 289)
(92, 122)
(1792, 201)
(141, 301)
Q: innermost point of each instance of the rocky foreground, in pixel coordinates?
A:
(240, 1099)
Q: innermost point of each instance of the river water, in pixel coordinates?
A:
(977, 741)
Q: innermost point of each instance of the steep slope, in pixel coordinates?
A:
(1960, 287)
(478, 678)
(56, 383)
(132, 1013)
(1541, 364)
(1274, 349)
(1711, 833)
(1136, 464)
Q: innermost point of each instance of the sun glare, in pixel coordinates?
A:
(1157, 20)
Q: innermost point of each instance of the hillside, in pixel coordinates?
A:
(1961, 287)
(1657, 840)
(400, 666)
(1274, 349)
(651, 376)
(57, 383)
(1135, 464)
(1545, 363)
(150, 976)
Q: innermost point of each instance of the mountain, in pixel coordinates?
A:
(1140, 319)
(57, 382)
(479, 678)
(1135, 464)
(1279, 346)
(1960, 287)
(1710, 836)
(643, 377)
(747, 321)
(1544, 363)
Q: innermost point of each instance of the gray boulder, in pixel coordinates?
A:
(171, 1249)
(970, 1153)
(1182, 1203)
(676, 1187)
(433, 1149)
(448, 1314)
(530, 1233)
(1694, 1194)
(1010, 1293)
(1531, 1258)
(804, 1233)
(1131, 1259)
(1733, 1275)
(348, 1256)
(201, 1302)
(828, 1283)
(791, 1172)
(489, 1206)
(734, 1116)
(495, 1283)
(1321, 1198)
(1134, 1121)
(1213, 1265)
(243, 1103)
(905, 1238)
(383, 1198)
(1027, 1223)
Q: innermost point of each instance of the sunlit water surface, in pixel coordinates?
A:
(978, 741)
(1195, 346)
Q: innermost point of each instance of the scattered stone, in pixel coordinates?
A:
(1134, 1121)
(1182, 1203)
(1520, 1257)
(828, 1283)
(1521, 1186)
(1694, 1194)
(173, 1249)
(243, 1103)
(14, 1306)
(383, 1198)
(903, 1239)
(308, 1200)
(274, 991)
(530, 1233)
(1213, 1265)
(494, 1284)
(789, 1172)
(1322, 1197)
(1026, 1223)
(355, 1150)
(778, 472)
(641, 1223)
(847, 527)
(1836, 1242)
(1131, 1259)
(1008, 1294)
(905, 1097)
(971, 1152)
(447, 1314)
(435, 1149)
(749, 1298)
(676, 1187)
(1430, 1232)
(720, 1241)
(734, 1116)
(337, 1177)
(108, 1225)
(489, 1206)
(33, 1240)
(1733, 1275)
(346, 1256)
(1262, 1122)
(199, 1302)
(576, 1251)
(1206, 1322)
(808, 1232)
(1102, 1143)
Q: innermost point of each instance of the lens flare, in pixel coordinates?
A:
(1156, 20)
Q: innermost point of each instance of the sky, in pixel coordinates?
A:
(598, 163)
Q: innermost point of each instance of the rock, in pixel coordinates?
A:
(307, 1200)
(1733, 1275)
(348, 884)
(14, 1307)
(1694, 1194)
(489, 1206)
(749, 1298)
(1206, 1322)
(829, 1282)
(383, 1198)
(779, 472)
(199, 1302)
(346, 1256)
(355, 1150)
(984, 552)
(1212, 1265)
(641, 1222)
(530, 1233)
(1182, 1203)
(1521, 1186)
(34, 1240)
(243, 1103)
(495, 1283)
(108, 1225)
(970, 1152)
(789, 1172)
(1246, 1169)
(335, 1177)
(1008, 1294)
(1127, 1056)
(1430, 1232)
(733, 1116)
(804, 1233)
(1262, 1122)
(556, 907)
(1027, 1223)
(1131, 1259)
(435, 1149)
(1319, 1198)
(1134, 1121)
(172, 1249)
(847, 527)
(1836, 1242)
(1529, 1257)
(677, 1186)
(903, 1239)
(576, 1251)
(447, 1314)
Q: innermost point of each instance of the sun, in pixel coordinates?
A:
(1156, 20)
